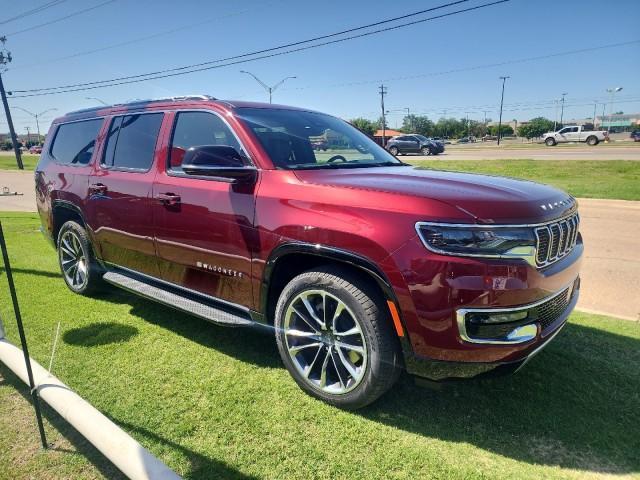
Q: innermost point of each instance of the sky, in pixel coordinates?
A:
(443, 66)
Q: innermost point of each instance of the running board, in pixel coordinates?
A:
(176, 299)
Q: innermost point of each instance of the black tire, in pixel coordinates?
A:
(550, 142)
(383, 361)
(73, 239)
(394, 151)
(426, 151)
(592, 140)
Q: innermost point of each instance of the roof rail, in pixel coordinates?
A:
(180, 98)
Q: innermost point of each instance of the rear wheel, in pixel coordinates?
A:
(550, 142)
(79, 268)
(592, 140)
(335, 338)
(394, 151)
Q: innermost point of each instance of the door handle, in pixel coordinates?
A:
(168, 199)
(97, 189)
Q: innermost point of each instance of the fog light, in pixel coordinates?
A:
(503, 317)
(523, 333)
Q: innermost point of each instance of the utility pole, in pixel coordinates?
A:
(562, 109)
(504, 79)
(383, 92)
(28, 135)
(595, 105)
(5, 58)
(269, 89)
(36, 116)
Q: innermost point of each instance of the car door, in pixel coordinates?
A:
(562, 135)
(203, 225)
(413, 144)
(119, 201)
(573, 134)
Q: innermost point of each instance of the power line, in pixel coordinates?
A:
(474, 67)
(242, 58)
(60, 19)
(33, 11)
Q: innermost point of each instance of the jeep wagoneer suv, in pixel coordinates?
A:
(363, 265)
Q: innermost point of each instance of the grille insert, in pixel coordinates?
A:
(556, 239)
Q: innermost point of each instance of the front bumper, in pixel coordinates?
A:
(445, 370)
(434, 292)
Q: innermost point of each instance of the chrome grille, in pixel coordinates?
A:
(556, 239)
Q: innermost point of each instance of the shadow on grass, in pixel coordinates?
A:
(99, 334)
(200, 466)
(576, 405)
(79, 443)
(31, 271)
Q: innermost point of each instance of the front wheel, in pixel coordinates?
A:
(79, 269)
(550, 142)
(394, 151)
(335, 338)
(592, 140)
(426, 151)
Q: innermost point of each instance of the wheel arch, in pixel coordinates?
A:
(62, 212)
(292, 258)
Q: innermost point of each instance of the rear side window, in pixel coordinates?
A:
(193, 129)
(131, 141)
(74, 142)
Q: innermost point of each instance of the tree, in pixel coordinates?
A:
(365, 125)
(378, 123)
(504, 130)
(419, 124)
(535, 128)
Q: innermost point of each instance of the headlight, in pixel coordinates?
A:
(479, 241)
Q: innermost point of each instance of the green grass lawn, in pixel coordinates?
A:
(8, 162)
(215, 402)
(615, 179)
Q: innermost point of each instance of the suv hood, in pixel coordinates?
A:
(489, 199)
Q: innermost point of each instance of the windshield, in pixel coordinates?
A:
(304, 140)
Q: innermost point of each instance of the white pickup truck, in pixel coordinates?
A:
(574, 133)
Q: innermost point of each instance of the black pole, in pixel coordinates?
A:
(14, 138)
(504, 79)
(23, 339)
(383, 91)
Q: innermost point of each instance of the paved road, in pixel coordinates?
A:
(611, 231)
(561, 152)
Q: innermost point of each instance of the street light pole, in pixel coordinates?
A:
(504, 79)
(562, 108)
(28, 135)
(269, 89)
(37, 116)
(612, 92)
(595, 105)
(97, 100)
(383, 92)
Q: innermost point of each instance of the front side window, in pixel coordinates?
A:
(296, 139)
(74, 142)
(131, 141)
(193, 129)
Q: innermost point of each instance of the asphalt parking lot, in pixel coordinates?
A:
(610, 268)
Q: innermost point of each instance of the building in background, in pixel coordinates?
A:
(619, 122)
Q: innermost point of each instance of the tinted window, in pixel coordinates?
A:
(74, 142)
(194, 129)
(131, 142)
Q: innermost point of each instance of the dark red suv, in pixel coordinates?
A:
(362, 265)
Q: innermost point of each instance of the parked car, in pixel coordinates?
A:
(35, 149)
(575, 133)
(635, 135)
(404, 144)
(489, 138)
(361, 265)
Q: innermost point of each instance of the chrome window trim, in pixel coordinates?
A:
(462, 312)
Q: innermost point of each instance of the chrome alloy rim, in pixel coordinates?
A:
(325, 342)
(73, 260)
